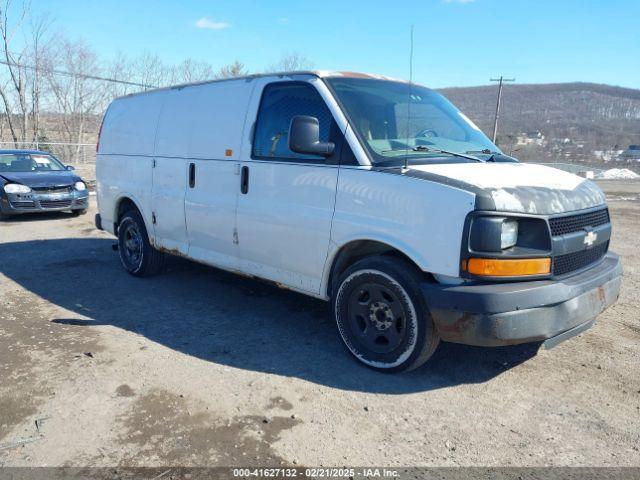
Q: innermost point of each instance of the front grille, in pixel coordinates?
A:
(50, 191)
(570, 262)
(24, 205)
(55, 203)
(575, 223)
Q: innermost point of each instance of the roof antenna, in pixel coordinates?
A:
(406, 157)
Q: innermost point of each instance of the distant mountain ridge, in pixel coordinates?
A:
(576, 119)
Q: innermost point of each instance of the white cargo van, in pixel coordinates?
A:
(373, 193)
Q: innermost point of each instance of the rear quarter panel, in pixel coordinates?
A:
(124, 160)
(118, 177)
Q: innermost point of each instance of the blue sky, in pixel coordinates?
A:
(457, 42)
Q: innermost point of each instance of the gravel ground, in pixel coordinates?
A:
(199, 367)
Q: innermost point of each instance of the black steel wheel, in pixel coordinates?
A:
(381, 314)
(137, 255)
(377, 317)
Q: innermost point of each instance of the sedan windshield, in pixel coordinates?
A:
(29, 162)
(397, 120)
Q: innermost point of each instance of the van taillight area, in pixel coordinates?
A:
(100, 133)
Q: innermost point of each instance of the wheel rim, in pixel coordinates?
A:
(132, 245)
(377, 318)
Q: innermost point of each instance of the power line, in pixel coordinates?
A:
(501, 80)
(77, 75)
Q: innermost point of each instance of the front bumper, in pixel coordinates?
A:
(28, 203)
(511, 313)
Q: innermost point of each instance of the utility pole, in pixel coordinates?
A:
(501, 80)
(406, 156)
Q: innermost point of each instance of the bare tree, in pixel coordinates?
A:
(38, 53)
(191, 71)
(235, 69)
(14, 89)
(21, 81)
(150, 70)
(120, 68)
(291, 62)
(78, 99)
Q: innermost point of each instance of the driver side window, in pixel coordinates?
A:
(280, 103)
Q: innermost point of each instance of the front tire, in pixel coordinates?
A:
(77, 213)
(381, 315)
(137, 255)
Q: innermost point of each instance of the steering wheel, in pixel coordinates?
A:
(427, 132)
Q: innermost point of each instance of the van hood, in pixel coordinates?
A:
(516, 187)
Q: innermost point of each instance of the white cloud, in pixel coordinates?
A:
(207, 23)
(459, 1)
(283, 20)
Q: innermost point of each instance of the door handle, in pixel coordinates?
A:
(192, 175)
(244, 180)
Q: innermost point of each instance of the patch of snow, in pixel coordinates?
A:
(617, 174)
(607, 155)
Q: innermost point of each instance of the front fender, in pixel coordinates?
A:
(393, 243)
(422, 219)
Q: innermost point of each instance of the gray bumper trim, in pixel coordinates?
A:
(553, 341)
(77, 202)
(520, 312)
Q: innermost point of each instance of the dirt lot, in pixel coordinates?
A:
(198, 367)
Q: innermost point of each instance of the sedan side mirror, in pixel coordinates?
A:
(304, 137)
(70, 167)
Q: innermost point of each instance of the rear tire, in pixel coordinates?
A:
(137, 255)
(382, 316)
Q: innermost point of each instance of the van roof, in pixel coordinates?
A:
(315, 73)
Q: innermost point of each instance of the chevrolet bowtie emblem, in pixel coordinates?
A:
(590, 238)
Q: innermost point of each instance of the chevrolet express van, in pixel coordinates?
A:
(374, 194)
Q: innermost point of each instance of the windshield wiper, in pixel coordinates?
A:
(494, 156)
(485, 151)
(423, 148)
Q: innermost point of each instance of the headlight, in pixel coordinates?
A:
(80, 186)
(16, 188)
(509, 234)
(493, 233)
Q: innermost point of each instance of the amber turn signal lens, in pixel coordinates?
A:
(491, 267)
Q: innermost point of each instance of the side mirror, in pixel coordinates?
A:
(304, 137)
(70, 167)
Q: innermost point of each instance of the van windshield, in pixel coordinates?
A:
(396, 120)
